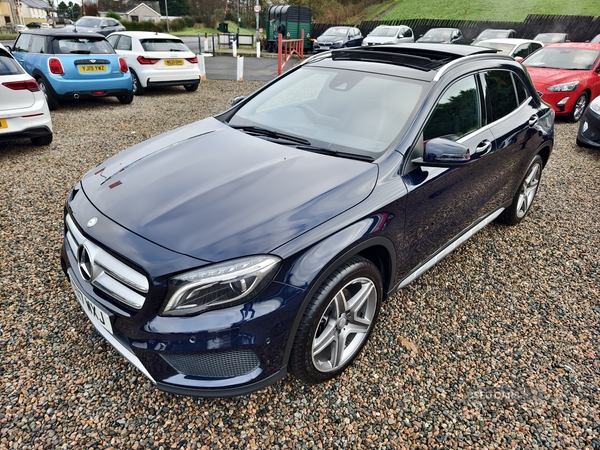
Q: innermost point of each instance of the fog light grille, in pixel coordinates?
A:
(227, 364)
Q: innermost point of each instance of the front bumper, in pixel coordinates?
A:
(221, 353)
(589, 129)
(554, 98)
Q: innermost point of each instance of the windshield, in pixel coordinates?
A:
(492, 34)
(505, 49)
(82, 46)
(548, 38)
(336, 32)
(563, 58)
(89, 22)
(348, 111)
(384, 32)
(439, 33)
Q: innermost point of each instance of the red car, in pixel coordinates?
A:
(566, 76)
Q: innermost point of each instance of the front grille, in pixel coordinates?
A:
(105, 272)
(232, 363)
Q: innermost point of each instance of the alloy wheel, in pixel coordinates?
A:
(345, 325)
(528, 190)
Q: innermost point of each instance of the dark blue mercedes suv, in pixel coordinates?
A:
(221, 255)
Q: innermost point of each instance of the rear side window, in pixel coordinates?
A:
(124, 43)
(522, 93)
(501, 94)
(38, 44)
(8, 66)
(457, 113)
(82, 46)
(163, 45)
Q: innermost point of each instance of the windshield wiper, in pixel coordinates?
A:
(331, 152)
(258, 131)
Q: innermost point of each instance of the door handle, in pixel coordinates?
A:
(533, 120)
(483, 147)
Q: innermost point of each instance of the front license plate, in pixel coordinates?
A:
(3, 124)
(93, 69)
(173, 62)
(92, 309)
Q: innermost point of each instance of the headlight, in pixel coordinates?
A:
(565, 87)
(340, 42)
(595, 105)
(219, 285)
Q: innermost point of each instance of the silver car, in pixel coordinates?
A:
(387, 34)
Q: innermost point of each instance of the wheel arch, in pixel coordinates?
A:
(378, 249)
(544, 152)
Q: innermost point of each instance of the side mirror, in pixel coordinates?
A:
(519, 59)
(440, 152)
(9, 48)
(236, 100)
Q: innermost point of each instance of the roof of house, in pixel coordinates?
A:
(125, 6)
(37, 4)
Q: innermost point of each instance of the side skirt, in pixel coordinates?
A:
(446, 250)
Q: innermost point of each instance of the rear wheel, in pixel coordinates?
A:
(52, 102)
(523, 199)
(191, 87)
(126, 99)
(136, 86)
(337, 322)
(42, 140)
(579, 108)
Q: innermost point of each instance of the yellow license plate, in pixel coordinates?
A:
(93, 69)
(3, 124)
(173, 62)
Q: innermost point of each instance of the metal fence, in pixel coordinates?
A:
(579, 28)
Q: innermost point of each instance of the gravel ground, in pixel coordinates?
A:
(496, 347)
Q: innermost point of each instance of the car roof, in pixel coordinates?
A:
(582, 45)
(514, 41)
(429, 59)
(152, 34)
(444, 28)
(389, 26)
(62, 33)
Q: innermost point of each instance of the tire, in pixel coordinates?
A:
(525, 195)
(41, 140)
(126, 99)
(138, 89)
(191, 87)
(343, 311)
(579, 108)
(52, 102)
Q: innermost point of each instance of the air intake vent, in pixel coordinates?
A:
(227, 364)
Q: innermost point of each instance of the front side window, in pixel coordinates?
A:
(355, 112)
(502, 99)
(22, 44)
(457, 113)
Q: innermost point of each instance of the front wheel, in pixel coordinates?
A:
(579, 108)
(337, 322)
(523, 199)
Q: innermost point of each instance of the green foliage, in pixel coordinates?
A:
(174, 25)
(113, 15)
(508, 10)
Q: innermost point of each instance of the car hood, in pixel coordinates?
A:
(379, 39)
(322, 39)
(215, 193)
(438, 40)
(543, 77)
